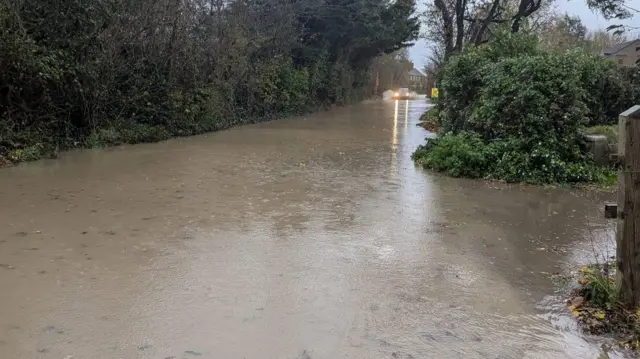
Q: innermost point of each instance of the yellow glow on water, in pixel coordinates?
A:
(406, 116)
(394, 140)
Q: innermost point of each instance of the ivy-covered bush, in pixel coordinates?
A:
(518, 115)
(466, 154)
(461, 155)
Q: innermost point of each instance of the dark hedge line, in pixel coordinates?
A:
(102, 72)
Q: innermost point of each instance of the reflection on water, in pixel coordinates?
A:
(289, 239)
(394, 137)
(406, 117)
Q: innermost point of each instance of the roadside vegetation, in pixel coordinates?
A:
(520, 117)
(514, 105)
(595, 299)
(596, 305)
(79, 73)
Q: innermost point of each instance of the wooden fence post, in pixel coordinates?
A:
(628, 211)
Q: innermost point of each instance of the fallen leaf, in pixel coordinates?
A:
(583, 281)
(600, 315)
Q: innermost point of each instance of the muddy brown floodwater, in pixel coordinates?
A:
(308, 238)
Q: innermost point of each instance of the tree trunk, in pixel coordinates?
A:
(478, 37)
(461, 6)
(447, 21)
(526, 8)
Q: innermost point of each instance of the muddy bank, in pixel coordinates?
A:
(313, 237)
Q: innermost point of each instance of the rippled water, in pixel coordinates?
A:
(311, 237)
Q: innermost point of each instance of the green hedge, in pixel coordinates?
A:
(512, 112)
(101, 72)
(468, 155)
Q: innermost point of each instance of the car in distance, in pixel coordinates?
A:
(403, 94)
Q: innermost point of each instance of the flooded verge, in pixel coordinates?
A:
(311, 237)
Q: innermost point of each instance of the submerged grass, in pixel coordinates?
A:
(597, 308)
(595, 301)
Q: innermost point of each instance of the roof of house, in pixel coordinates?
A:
(416, 72)
(617, 48)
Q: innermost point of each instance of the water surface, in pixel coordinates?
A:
(310, 237)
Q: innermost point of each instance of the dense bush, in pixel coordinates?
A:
(468, 155)
(460, 155)
(101, 72)
(606, 94)
(463, 76)
(631, 83)
(519, 116)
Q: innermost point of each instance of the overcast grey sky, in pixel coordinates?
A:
(574, 7)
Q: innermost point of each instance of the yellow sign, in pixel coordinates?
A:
(434, 92)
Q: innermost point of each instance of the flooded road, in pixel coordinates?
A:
(308, 238)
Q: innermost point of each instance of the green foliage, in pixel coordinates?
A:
(512, 112)
(605, 93)
(460, 155)
(468, 155)
(518, 161)
(602, 289)
(535, 98)
(430, 120)
(103, 72)
(463, 76)
(26, 154)
(631, 83)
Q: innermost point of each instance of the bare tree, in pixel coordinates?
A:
(600, 40)
(456, 23)
(564, 32)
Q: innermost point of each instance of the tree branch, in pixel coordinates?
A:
(479, 36)
(526, 8)
(461, 6)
